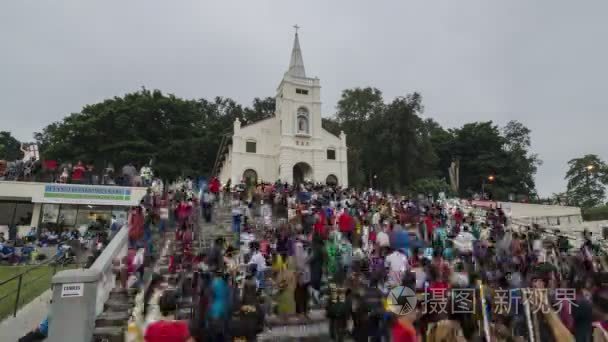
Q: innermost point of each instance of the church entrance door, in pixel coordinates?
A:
(331, 180)
(250, 178)
(301, 172)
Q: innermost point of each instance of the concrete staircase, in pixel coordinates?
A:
(111, 325)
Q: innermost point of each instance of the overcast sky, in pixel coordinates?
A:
(540, 62)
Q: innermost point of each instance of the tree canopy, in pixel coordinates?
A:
(587, 178)
(180, 136)
(391, 145)
(10, 147)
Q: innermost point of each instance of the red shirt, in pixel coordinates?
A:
(50, 164)
(214, 187)
(403, 332)
(319, 225)
(167, 331)
(458, 216)
(428, 221)
(77, 172)
(372, 236)
(346, 223)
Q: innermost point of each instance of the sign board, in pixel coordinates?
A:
(86, 194)
(72, 290)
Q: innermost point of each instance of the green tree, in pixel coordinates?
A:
(356, 109)
(478, 146)
(261, 109)
(331, 125)
(587, 178)
(484, 150)
(180, 136)
(389, 141)
(432, 186)
(522, 164)
(403, 149)
(9, 147)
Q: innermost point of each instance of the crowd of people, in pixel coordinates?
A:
(79, 172)
(396, 269)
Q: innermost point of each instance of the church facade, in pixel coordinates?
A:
(290, 146)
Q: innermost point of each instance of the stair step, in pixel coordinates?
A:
(112, 319)
(118, 306)
(314, 316)
(310, 332)
(109, 334)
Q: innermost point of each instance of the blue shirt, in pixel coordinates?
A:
(220, 298)
(44, 327)
(400, 240)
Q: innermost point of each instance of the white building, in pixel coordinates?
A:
(31, 204)
(292, 145)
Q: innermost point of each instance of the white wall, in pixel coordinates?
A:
(21, 191)
(116, 249)
(278, 148)
(519, 210)
(266, 134)
(288, 102)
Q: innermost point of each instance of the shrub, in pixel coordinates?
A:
(596, 213)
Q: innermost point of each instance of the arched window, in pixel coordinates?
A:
(302, 121)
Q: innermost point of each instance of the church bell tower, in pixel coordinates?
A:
(298, 99)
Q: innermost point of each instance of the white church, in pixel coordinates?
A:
(290, 146)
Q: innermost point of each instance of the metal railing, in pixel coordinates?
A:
(20, 289)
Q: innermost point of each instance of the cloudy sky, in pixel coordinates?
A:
(541, 62)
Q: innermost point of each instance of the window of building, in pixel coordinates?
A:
(89, 215)
(301, 91)
(23, 214)
(17, 213)
(250, 147)
(331, 154)
(302, 117)
(67, 214)
(7, 211)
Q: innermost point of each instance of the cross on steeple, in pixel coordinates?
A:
(296, 64)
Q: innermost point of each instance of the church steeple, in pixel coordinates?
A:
(296, 64)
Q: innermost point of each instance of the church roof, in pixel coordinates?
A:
(296, 64)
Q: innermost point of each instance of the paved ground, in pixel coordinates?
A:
(12, 328)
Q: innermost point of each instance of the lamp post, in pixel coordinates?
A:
(491, 178)
(372, 179)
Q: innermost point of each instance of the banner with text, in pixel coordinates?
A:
(87, 194)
